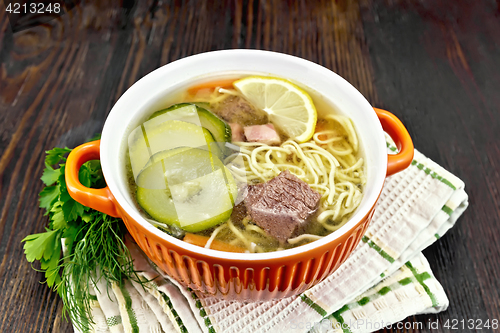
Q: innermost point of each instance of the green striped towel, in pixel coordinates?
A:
(385, 280)
(412, 286)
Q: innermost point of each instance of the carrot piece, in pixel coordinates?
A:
(226, 84)
(216, 245)
(321, 126)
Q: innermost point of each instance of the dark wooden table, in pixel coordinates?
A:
(434, 63)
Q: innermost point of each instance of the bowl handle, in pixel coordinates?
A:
(397, 131)
(98, 199)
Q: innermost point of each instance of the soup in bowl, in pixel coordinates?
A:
(246, 174)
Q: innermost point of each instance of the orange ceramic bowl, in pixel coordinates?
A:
(242, 276)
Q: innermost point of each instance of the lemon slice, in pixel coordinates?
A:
(290, 108)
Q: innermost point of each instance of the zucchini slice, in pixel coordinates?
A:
(155, 136)
(219, 128)
(187, 187)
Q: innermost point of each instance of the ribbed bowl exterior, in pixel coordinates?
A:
(247, 280)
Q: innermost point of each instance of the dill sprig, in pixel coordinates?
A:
(99, 253)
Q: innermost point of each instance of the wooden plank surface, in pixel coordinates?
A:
(434, 63)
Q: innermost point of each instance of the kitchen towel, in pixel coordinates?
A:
(385, 280)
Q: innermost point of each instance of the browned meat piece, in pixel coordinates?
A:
(283, 206)
(239, 213)
(237, 110)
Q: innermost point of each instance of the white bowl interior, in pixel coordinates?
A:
(153, 90)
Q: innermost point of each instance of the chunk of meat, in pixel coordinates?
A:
(237, 132)
(283, 206)
(239, 213)
(235, 109)
(262, 133)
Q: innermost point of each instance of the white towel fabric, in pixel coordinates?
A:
(109, 306)
(385, 280)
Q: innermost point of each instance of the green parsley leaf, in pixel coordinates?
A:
(62, 179)
(51, 265)
(48, 196)
(50, 176)
(69, 235)
(84, 175)
(86, 217)
(64, 196)
(57, 218)
(72, 210)
(38, 246)
(55, 207)
(96, 174)
(55, 155)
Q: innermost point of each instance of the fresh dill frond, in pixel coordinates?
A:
(98, 253)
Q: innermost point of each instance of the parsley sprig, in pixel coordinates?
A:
(94, 246)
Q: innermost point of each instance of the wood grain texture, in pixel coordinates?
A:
(434, 63)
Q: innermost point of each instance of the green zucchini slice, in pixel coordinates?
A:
(219, 128)
(187, 187)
